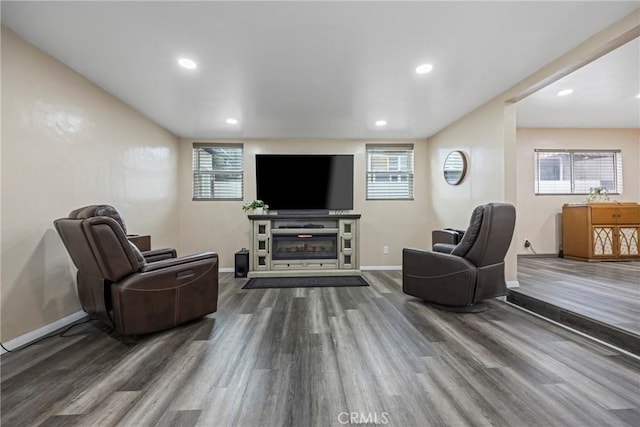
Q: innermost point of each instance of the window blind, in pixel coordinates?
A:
(576, 171)
(389, 172)
(217, 171)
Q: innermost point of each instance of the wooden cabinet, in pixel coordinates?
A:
(142, 242)
(601, 231)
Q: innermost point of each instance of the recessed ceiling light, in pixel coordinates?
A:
(381, 122)
(187, 63)
(638, 96)
(424, 68)
(565, 92)
(232, 121)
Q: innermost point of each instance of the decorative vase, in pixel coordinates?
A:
(259, 211)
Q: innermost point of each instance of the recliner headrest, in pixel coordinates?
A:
(98, 210)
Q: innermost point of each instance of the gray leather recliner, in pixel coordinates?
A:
(473, 270)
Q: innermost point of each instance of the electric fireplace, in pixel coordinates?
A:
(304, 246)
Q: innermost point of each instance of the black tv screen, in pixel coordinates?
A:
(305, 182)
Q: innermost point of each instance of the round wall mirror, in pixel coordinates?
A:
(455, 167)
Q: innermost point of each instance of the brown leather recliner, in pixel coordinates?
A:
(474, 268)
(117, 285)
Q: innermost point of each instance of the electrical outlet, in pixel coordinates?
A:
(385, 250)
(527, 243)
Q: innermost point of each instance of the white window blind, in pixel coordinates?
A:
(217, 171)
(389, 172)
(576, 171)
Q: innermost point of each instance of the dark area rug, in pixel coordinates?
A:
(304, 282)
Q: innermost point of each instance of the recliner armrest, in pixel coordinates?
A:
(460, 232)
(166, 293)
(159, 254)
(445, 248)
(445, 236)
(438, 277)
(159, 265)
(417, 262)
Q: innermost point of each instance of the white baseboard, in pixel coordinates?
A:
(43, 331)
(381, 267)
(227, 270)
(513, 284)
(541, 255)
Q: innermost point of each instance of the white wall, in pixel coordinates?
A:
(223, 227)
(483, 137)
(452, 205)
(539, 219)
(65, 144)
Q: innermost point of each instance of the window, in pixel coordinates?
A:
(389, 172)
(217, 171)
(576, 171)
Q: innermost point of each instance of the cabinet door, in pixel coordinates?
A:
(627, 237)
(602, 244)
(261, 245)
(348, 249)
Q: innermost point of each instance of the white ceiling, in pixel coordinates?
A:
(309, 69)
(604, 95)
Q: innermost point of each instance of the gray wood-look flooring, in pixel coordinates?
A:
(323, 356)
(608, 292)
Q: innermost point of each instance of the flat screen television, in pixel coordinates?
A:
(299, 182)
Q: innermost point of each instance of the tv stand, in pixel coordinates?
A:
(304, 245)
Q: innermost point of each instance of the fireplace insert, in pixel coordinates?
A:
(304, 246)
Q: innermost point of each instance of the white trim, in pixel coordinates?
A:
(513, 284)
(381, 267)
(227, 270)
(43, 331)
(547, 255)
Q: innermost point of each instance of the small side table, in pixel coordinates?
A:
(142, 242)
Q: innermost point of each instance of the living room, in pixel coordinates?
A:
(68, 142)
